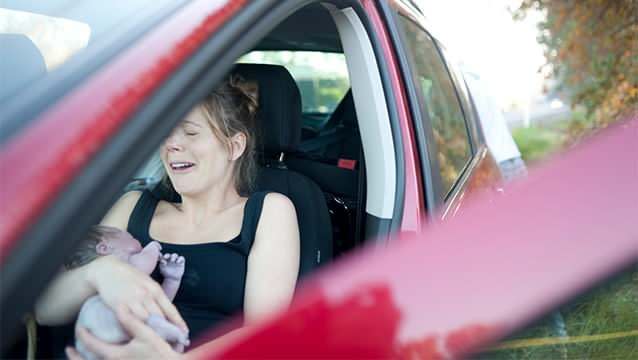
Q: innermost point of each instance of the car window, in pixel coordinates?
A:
(602, 324)
(440, 102)
(322, 77)
(37, 37)
(454, 65)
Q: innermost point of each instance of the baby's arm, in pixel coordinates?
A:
(146, 260)
(172, 268)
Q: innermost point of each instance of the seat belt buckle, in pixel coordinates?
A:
(347, 164)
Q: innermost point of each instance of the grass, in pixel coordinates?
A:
(611, 308)
(539, 142)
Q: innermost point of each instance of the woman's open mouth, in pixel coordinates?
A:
(181, 166)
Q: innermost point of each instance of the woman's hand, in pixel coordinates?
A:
(120, 284)
(145, 343)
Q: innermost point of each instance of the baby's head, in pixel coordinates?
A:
(100, 241)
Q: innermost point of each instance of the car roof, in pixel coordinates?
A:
(312, 29)
(319, 32)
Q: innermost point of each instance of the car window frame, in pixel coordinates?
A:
(424, 139)
(36, 98)
(101, 180)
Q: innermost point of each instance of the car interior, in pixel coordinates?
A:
(320, 165)
(338, 166)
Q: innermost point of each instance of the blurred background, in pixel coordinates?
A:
(558, 71)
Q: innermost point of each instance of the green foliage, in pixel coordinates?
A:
(591, 47)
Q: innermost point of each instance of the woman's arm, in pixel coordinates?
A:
(116, 282)
(273, 263)
(68, 291)
(63, 298)
(120, 213)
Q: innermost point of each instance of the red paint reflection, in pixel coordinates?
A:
(362, 325)
(453, 346)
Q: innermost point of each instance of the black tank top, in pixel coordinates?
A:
(212, 287)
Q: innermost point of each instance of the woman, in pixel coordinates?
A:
(242, 252)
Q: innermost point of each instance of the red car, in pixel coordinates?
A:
(374, 132)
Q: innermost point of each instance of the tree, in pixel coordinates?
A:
(591, 47)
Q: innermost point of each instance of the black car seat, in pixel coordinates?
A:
(334, 160)
(279, 133)
(339, 138)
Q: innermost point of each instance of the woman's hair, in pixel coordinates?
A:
(231, 109)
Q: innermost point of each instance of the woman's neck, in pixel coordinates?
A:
(196, 208)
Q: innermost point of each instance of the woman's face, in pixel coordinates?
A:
(194, 158)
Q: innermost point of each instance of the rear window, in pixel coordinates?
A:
(322, 77)
(37, 37)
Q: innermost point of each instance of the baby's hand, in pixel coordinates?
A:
(172, 266)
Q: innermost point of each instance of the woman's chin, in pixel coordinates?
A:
(185, 190)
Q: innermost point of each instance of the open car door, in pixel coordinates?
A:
(462, 285)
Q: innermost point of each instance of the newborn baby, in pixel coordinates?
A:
(96, 316)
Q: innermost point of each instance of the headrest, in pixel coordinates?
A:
(279, 113)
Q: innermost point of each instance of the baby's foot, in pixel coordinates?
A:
(175, 336)
(146, 259)
(172, 266)
(154, 245)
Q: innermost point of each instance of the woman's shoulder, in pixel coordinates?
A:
(120, 212)
(278, 216)
(275, 203)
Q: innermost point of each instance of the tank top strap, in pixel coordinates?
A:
(140, 219)
(252, 213)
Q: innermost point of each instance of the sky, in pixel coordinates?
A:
(483, 35)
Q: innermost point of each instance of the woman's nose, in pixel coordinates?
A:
(172, 143)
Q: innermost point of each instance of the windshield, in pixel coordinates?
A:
(37, 37)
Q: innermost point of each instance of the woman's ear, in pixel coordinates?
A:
(237, 146)
(102, 248)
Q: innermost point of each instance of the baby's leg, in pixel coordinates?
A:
(101, 321)
(146, 260)
(169, 332)
(172, 268)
